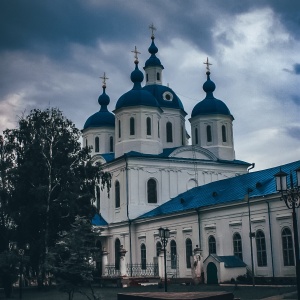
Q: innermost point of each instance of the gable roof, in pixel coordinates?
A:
(230, 261)
(260, 183)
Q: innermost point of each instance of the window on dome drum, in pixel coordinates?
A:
(86, 143)
(237, 246)
(196, 136)
(158, 134)
(111, 144)
(148, 123)
(208, 134)
(158, 248)
(224, 135)
(132, 128)
(147, 77)
(157, 76)
(173, 254)
(212, 245)
(152, 191)
(119, 128)
(169, 132)
(182, 136)
(261, 250)
(117, 194)
(96, 144)
(287, 247)
(117, 254)
(143, 257)
(188, 252)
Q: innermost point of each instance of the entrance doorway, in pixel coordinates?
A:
(212, 273)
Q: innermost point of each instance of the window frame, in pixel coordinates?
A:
(131, 126)
(237, 245)
(188, 252)
(173, 253)
(212, 245)
(143, 256)
(261, 249)
(117, 194)
(148, 126)
(152, 191)
(208, 134)
(287, 247)
(169, 132)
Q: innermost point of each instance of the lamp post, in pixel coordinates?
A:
(164, 234)
(291, 197)
(21, 252)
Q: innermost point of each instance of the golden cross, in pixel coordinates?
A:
(207, 65)
(104, 79)
(136, 52)
(152, 28)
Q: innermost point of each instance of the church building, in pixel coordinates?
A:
(197, 189)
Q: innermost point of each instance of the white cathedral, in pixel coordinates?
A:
(199, 191)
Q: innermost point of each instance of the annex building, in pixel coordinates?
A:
(194, 186)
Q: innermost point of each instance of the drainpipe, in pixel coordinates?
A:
(251, 235)
(199, 229)
(271, 242)
(127, 209)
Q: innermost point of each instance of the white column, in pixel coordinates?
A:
(161, 266)
(122, 261)
(104, 261)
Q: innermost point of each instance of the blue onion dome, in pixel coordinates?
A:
(137, 96)
(165, 96)
(210, 105)
(153, 61)
(102, 118)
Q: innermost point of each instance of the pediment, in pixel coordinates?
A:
(193, 152)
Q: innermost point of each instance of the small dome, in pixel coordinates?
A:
(210, 105)
(137, 96)
(153, 61)
(102, 118)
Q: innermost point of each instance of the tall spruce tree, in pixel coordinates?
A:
(54, 181)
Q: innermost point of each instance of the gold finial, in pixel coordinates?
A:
(104, 80)
(207, 63)
(152, 28)
(136, 52)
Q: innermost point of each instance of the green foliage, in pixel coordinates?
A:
(48, 180)
(72, 257)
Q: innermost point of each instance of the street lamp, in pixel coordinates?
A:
(164, 234)
(291, 197)
(21, 252)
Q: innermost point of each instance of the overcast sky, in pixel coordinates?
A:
(53, 52)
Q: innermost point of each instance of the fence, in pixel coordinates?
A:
(133, 270)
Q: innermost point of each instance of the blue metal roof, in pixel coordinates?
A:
(158, 90)
(262, 183)
(100, 119)
(230, 261)
(98, 220)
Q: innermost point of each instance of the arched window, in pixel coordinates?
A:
(224, 135)
(143, 256)
(158, 248)
(158, 134)
(147, 77)
(287, 247)
(96, 144)
(188, 252)
(208, 134)
(182, 136)
(117, 194)
(261, 249)
(148, 123)
(111, 144)
(157, 76)
(119, 128)
(173, 254)
(212, 245)
(86, 143)
(237, 246)
(132, 129)
(152, 191)
(196, 136)
(117, 254)
(169, 132)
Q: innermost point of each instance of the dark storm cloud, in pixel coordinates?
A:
(297, 69)
(293, 132)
